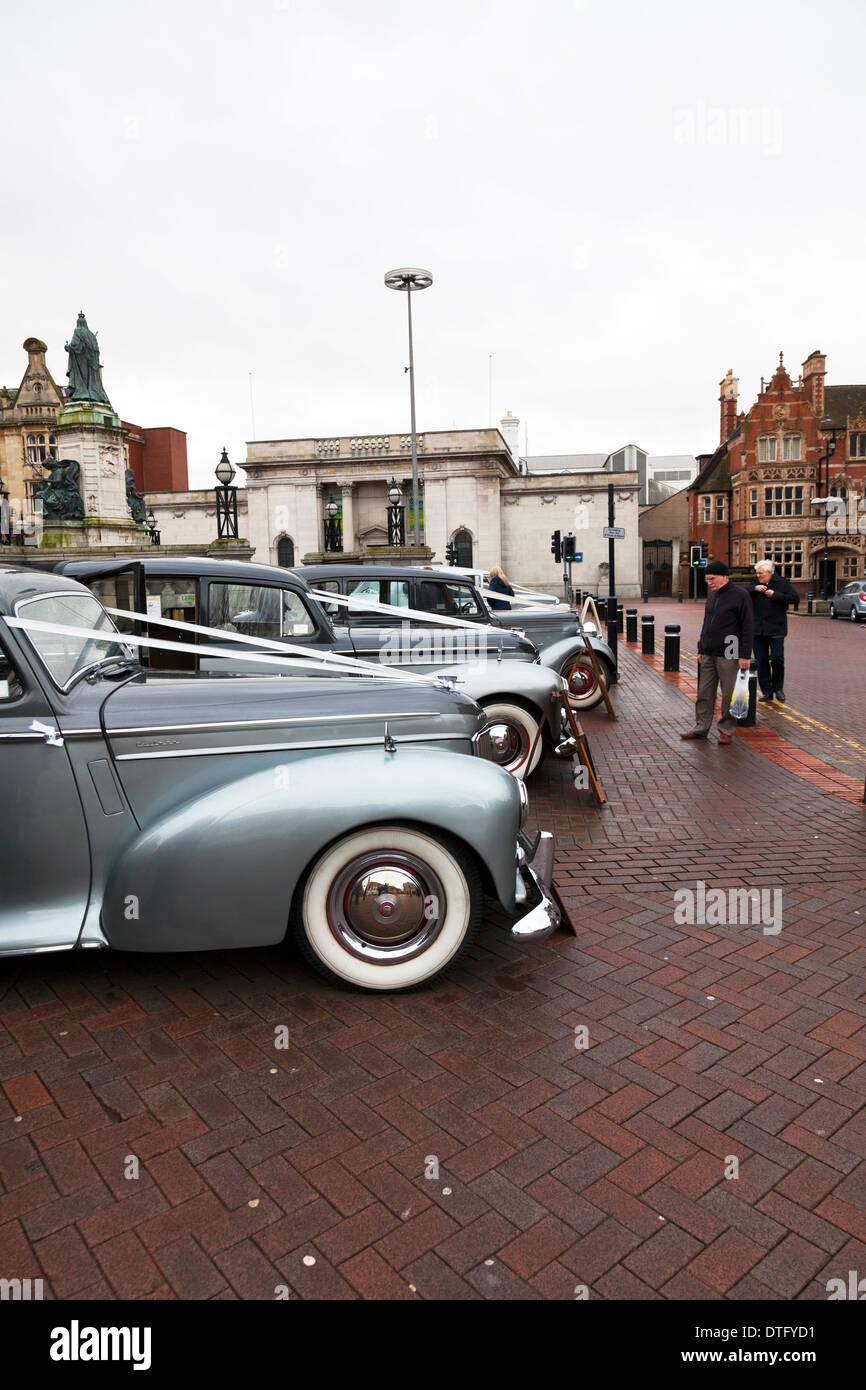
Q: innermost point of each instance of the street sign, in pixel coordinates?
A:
(578, 557)
(614, 533)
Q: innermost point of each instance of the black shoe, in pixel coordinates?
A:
(780, 696)
(765, 699)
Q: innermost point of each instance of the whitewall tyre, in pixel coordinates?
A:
(388, 908)
(584, 691)
(513, 733)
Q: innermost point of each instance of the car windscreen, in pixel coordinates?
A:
(65, 655)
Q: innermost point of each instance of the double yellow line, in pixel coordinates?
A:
(805, 721)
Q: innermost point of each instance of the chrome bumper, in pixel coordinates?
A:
(534, 876)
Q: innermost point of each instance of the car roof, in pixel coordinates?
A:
(315, 573)
(203, 565)
(24, 581)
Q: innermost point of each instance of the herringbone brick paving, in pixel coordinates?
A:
(456, 1143)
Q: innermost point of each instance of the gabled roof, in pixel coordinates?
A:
(714, 477)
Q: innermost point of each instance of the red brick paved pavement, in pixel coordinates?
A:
(558, 1166)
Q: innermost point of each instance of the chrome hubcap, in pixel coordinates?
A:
(386, 907)
(581, 680)
(509, 742)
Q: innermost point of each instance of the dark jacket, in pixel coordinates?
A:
(728, 614)
(501, 588)
(771, 614)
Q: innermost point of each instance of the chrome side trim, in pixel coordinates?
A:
(39, 950)
(284, 747)
(273, 723)
(18, 738)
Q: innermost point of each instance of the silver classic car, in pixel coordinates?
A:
(498, 668)
(172, 811)
(553, 629)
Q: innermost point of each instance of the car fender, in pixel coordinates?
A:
(559, 654)
(526, 680)
(220, 871)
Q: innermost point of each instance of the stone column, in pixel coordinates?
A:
(348, 490)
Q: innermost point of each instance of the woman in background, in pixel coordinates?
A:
(499, 582)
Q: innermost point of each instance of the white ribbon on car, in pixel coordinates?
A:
(338, 665)
(408, 614)
(339, 659)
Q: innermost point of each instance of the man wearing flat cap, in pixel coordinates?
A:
(725, 646)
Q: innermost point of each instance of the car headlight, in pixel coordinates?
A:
(524, 803)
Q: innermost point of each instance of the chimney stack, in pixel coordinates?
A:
(814, 371)
(728, 400)
(509, 428)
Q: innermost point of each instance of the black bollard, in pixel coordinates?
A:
(679, 596)
(578, 598)
(672, 646)
(601, 609)
(631, 624)
(620, 618)
(646, 597)
(648, 634)
(752, 717)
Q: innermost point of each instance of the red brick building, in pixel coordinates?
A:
(157, 458)
(752, 497)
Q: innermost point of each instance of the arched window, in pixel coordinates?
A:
(463, 548)
(286, 552)
(52, 446)
(32, 456)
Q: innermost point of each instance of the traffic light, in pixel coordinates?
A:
(694, 554)
(450, 554)
(704, 552)
(569, 543)
(556, 546)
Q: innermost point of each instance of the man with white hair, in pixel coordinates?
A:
(771, 593)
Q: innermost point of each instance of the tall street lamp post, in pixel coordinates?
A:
(409, 278)
(396, 535)
(828, 427)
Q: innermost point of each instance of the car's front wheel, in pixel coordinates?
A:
(514, 738)
(388, 908)
(584, 691)
(833, 613)
(853, 615)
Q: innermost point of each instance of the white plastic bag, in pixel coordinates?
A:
(740, 697)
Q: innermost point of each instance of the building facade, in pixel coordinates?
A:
(753, 498)
(315, 499)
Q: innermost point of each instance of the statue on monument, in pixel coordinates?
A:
(60, 494)
(85, 379)
(135, 499)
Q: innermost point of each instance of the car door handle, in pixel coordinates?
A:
(50, 733)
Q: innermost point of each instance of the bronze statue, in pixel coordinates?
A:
(85, 380)
(60, 494)
(135, 499)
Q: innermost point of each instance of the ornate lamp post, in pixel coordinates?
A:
(396, 529)
(333, 539)
(226, 500)
(151, 526)
(408, 279)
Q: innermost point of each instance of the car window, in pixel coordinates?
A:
(397, 593)
(434, 597)
(465, 602)
(330, 586)
(297, 621)
(65, 654)
(250, 609)
(10, 684)
(116, 591)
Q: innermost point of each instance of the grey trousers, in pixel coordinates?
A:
(716, 671)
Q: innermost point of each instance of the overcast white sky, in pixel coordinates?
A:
(618, 200)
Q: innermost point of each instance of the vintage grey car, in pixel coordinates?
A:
(160, 811)
(499, 669)
(554, 630)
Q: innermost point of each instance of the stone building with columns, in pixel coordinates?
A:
(476, 494)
